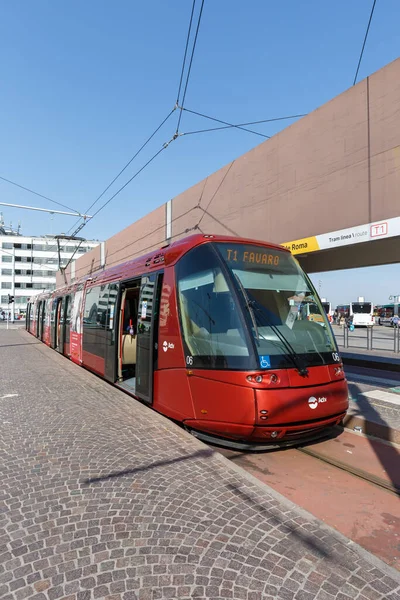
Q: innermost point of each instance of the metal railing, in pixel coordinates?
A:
(371, 339)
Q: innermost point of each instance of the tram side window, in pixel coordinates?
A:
(212, 329)
(68, 315)
(95, 320)
(53, 312)
(95, 312)
(76, 310)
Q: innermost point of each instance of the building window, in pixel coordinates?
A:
(17, 285)
(4, 299)
(18, 246)
(6, 258)
(6, 285)
(18, 259)
(7, 245)
(6, 271)
(20, 299)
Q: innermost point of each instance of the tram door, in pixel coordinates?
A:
(111, 334)
(41, 316)
(39, 320)
(64, 326)
(147, 334)
(55, 323)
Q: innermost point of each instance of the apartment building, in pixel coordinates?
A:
(28, 266)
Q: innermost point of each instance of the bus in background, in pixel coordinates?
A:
(377, 313)
(327, 306)
(362, 313)
(308, 310)
(389, 315)
(343, 313)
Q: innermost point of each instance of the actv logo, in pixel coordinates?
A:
(313, 402)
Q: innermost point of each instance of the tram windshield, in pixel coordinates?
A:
(263, 301)
(288, 322)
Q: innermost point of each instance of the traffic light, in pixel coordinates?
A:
(10, 299)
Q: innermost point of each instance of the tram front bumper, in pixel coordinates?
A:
(278, 435)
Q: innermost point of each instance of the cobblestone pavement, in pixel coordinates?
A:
(103, 498)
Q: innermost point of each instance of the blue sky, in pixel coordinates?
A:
(85, 83)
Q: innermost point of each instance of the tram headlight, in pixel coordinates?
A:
(259, 378)
(274, 434)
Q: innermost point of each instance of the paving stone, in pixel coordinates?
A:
(104, 498)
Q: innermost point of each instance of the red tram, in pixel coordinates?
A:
(209, 331)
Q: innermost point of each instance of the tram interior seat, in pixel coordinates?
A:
(129, 349)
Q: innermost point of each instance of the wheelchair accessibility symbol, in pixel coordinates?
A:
(265, 362)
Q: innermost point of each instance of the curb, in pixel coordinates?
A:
(381, 363)
(371, 428)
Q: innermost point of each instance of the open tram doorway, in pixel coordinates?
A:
(138, 335)
(128, 336)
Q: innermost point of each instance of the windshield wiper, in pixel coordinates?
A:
(250, 304)
(252, 316)
(291, 353)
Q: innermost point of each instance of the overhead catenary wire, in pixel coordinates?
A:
(164, 147)
(215, 193)
(22, 187)
(226, 126)
(126, 166)
(204, 211)
(159, 127)
(193, 112)
(180, 106)
(185, 53)
(365, 41)
(243, 124)
(190, 66)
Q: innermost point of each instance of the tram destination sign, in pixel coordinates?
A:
(246, 256)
